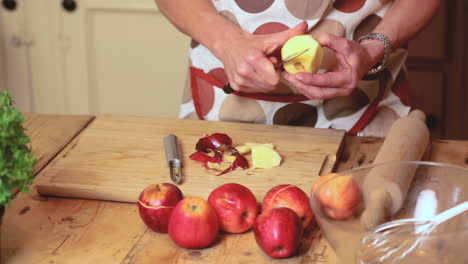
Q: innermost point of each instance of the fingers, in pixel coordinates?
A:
(340, 45)
(254, 74)
(273, 41)
(321, 93)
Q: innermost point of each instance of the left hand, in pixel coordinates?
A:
(354, 60)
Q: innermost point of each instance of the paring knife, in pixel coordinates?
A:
(228, 89)
(173, 158)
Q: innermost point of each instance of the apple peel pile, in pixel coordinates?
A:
(217, 153)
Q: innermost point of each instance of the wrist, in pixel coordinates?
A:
(374, 49)
(224, 38)
(218, 33)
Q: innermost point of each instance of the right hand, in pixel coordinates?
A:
(245, 59)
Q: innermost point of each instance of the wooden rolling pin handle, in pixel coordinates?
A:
(377, 210)
(385, 188)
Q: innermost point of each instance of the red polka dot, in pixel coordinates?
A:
(401, 88)
(254, 6)
(270, 28)
(349, 6)
(205, 95)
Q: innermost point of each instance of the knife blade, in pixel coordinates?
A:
(292, 57)
(174, 162)
(228, 89)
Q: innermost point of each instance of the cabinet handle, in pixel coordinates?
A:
(9, 4)
(69, 5)
(17, 41)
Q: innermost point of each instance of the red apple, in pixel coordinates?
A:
(193, 223)
(235, 206)
(278, 232)
(338, 196)
(156, 203)
(291, 196)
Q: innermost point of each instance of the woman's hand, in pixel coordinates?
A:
(354, 60)
(246, 59)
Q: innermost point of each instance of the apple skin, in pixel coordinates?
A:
(338, 196)
(235, 206)
(291, 196)
(278, 232)
(193, 223)
(156, 203)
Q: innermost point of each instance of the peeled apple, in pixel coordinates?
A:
(308, 62)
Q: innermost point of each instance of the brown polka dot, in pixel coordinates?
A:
(205, 95)
(230, 16)
(349, 6)
(219, 74)
(328, 26)
(270, 28)
(239, 109)
(366, 26)
(342, 106)
(256, 6)
(381, 122)
(307, 9)
(296, 114)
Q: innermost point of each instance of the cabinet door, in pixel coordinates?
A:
(122, 57)
(14, 57)
(427, 74)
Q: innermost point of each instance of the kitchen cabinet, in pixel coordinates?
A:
(124, 57)
(119, 56)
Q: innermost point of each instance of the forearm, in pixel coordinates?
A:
(403, 21)
(199, 20)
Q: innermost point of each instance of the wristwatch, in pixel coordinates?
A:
(387, 49)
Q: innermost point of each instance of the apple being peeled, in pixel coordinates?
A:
(309, 62)
(290, 196)
(235, 206)
(193, 223)
(338, 196)
(278, 232)
(156, 203)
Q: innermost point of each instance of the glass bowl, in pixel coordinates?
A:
(434, 188)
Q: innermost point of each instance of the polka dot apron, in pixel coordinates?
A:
(384, 97)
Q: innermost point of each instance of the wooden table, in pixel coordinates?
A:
(49, 230)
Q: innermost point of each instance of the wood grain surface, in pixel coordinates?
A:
(51, 133)
(116, 157)
(47, 230)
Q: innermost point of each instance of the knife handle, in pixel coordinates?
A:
(172, 148)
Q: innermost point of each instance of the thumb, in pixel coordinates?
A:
(331, 41)
(273, 41)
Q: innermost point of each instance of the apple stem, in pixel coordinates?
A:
(244, 215)
(194, 208)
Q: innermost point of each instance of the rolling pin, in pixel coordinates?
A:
(384, 189)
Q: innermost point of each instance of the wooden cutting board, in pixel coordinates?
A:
(116, 157)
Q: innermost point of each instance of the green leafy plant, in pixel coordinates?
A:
(16, 158)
